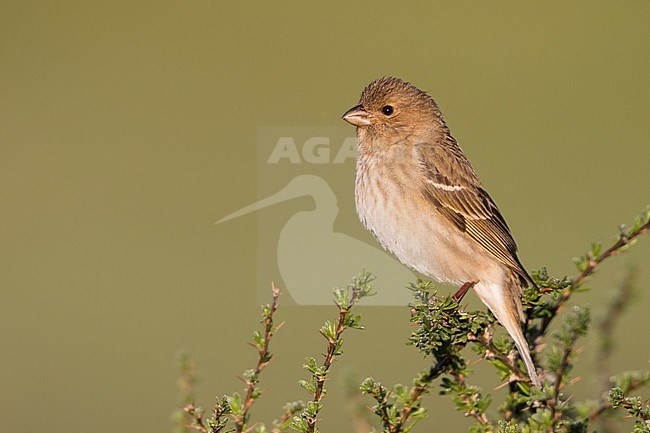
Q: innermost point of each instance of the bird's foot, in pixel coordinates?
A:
(460, 294)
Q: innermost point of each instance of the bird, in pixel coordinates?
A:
(418, 194)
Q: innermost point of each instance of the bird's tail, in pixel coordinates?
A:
(505, 304)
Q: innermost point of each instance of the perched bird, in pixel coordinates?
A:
(420, 197)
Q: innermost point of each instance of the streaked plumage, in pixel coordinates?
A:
(420, 197)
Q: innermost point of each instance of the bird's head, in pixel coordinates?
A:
(392, 104)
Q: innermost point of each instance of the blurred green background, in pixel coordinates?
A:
(129, 128)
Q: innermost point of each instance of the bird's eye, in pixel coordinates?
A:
(387, 110)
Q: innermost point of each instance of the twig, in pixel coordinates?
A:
(605, 326)
(384, 415)
(481, 418)
(624, 240)
(556, 416)
(231, 407)
(345, 299)
(216, 423)
(492, 352)
(291, 409)
(606, 405)
(394, 416)
(197, 418)
(186, 383)
(333, 347)
(187, 380)
(380, 394)
(283, 420)
(263, 360)
(417, 392)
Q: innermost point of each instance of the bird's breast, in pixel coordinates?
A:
(390, 204)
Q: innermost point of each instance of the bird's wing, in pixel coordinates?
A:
(465, 202)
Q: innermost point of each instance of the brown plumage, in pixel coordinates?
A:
(420, 197)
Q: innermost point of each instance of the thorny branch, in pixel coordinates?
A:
(402, 409)
(624, 240)
(395, 417)
(290, 409)
(420, 389)
(263, 360)
(332, 349)
(605, 405)
(616, 308)
(197, 418)
(556, 415)
(231, 406)
(492, 352)
(480, 417)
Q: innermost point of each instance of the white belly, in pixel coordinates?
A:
(421, 237)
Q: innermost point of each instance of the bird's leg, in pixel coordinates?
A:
(458, 296)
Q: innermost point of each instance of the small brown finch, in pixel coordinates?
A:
(420, 197)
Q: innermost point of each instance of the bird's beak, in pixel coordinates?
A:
(357, 116)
